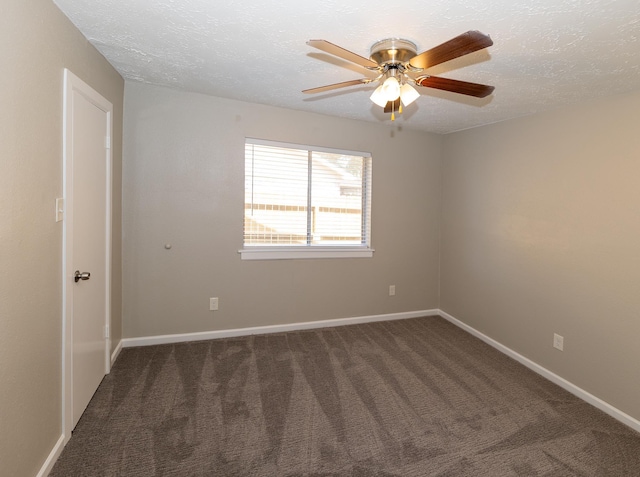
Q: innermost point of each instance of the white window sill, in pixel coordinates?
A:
(289, 253)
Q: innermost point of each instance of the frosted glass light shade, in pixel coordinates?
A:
(391, 88)
(378, 97)
(408, 94)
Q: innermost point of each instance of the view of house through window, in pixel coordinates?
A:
(298, 196)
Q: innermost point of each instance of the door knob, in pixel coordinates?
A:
(81, 276)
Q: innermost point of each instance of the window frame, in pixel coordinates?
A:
(309, 250)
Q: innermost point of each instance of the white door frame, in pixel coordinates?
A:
(73, 84)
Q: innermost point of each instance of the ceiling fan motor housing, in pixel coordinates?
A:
(393, 51)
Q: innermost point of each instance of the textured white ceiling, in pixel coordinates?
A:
(546, 53)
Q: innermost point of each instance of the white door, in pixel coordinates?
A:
(87, 242)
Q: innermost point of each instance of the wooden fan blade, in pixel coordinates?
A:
(459, 46)
(455, 86)
(329, 87)
(392, 106)
(340, 52)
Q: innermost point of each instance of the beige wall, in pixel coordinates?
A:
(541, 234)
(36, 43)
(184, 185)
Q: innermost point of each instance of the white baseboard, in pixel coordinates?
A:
(207, 335)
(116, 352)
(544, 372)
(258, 330)
(51, 460)
(563, 383)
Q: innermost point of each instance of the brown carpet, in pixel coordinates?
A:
(416, 397)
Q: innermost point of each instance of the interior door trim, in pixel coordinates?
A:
(73, 84)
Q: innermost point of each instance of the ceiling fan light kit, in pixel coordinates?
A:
(379, 97)
(391, 88)
(408, 94)
(397, 62)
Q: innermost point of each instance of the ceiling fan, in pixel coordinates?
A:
(399, 66)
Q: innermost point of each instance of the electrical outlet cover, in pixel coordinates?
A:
(558, 342)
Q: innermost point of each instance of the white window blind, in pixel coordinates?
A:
(299, 197)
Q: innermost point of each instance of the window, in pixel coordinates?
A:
(305, 202)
